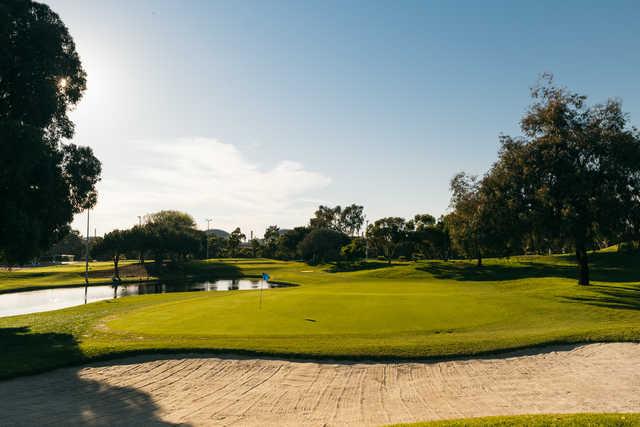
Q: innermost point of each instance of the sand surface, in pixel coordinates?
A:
(197, 390)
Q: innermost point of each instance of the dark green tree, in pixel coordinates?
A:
(271, 238)
(387, 235)
(43, 182)
(233, 243)
(574, 175)
(322, 245)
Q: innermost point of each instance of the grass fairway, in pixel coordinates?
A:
(564, 420)
(408, 310)
(62, 275)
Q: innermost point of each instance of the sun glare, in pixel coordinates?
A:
(62, 83)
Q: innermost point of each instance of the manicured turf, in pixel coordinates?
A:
(564, 420)
(408, 310)
(59, 275)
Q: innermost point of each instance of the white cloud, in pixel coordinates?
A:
(205, 178)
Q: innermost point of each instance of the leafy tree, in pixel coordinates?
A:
(257, 249)
(429, 236)
(216, 246)
(387, 234)
(290, 241)
(271, 238)
(322, 245)
(574, 175)
(72, 244)
(351, 219)
(172, 234)
(233, 243)
(466, 220)
(354, 251)
(43, 182)
(114, 244)
(171, 219)
(326, 217)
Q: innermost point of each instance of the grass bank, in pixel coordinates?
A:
(557, 420)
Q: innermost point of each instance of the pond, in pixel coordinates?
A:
(53, 299)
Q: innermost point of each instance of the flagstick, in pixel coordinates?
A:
(261, 286)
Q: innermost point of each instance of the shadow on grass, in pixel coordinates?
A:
(342, 267)
(195, 270)
(69, 399)
(616, 297)
(604, 267)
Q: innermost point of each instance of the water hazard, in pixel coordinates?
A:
(52, 299)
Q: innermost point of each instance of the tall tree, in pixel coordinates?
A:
(351, 219)
(43, 182)
(233, 243)
(465, 222)
(271, 237)
(574, 174)
(326, 217)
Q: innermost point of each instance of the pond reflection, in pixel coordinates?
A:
(52, 299)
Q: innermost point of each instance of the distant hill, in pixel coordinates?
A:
(218, 233)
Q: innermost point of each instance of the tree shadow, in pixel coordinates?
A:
(196, 270)
(62, 397)
(617, 297)
(604, 267)
(344, 267)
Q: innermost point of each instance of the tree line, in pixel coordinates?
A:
(569, 183)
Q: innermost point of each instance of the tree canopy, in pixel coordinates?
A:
(43, 182)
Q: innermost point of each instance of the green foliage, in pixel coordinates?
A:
(348, 220)
(387, 235)
(322, 245)
(43, 182)
(233, 242)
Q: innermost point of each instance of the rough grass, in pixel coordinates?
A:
(557, 420)
(429, 309)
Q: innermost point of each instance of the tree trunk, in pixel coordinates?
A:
(479, 260)
(583, 266)
(116, 271)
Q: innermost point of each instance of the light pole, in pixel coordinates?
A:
(140, 220)
(207, 239)
(86, 261)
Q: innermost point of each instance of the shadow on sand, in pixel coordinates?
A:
(69, 399)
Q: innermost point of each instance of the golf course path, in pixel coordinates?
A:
(197, 390)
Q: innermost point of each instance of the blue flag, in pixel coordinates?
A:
(265, 277)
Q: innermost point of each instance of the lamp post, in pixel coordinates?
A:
(86, 262)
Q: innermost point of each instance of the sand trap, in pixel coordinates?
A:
(262, 392)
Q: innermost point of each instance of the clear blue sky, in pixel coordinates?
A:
(255, 112)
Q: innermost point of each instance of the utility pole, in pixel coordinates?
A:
(86, 262)
(140, 220)
(207, 240)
